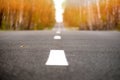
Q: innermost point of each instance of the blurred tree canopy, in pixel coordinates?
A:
(92, 14)
(26, 14)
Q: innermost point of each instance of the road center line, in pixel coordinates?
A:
(57, 37)
(58, 32)
(57, 58)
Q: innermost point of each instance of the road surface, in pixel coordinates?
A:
(92, 55)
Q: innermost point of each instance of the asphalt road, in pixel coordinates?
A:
(92, 55)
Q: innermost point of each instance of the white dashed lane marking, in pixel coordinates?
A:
(57, 37)
(58, 32)
(57, 58)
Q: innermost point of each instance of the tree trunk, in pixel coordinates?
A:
(98, 9)
(21, 14)
(1, 18)
(108, 15)
(89, 16)
(29, 20)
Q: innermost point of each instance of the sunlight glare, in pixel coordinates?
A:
(59, 10)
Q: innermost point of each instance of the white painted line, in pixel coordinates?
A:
(57, 37)
(57, 58)
(58, 32)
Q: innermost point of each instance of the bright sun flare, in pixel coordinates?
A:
(59, 10)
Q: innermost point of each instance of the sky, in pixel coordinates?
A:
(59, 10)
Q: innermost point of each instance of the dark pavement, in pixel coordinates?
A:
(92, 55)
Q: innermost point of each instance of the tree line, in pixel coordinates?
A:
(26, 14)
(97, 15)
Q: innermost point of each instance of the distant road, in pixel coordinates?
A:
(92, 55)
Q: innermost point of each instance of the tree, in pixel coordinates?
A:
(26, 14)
(93, 14)
(1, 12)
